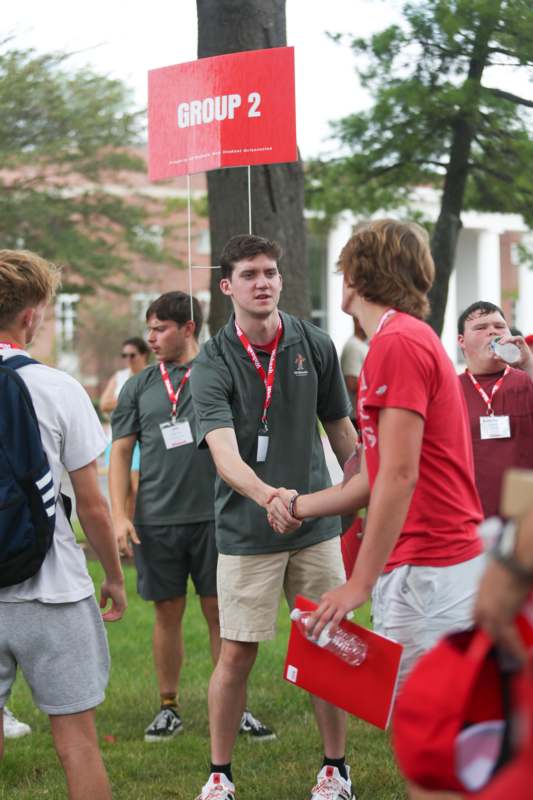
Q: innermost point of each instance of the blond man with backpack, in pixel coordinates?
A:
(48, 613)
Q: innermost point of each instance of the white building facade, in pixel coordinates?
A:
(487, 267)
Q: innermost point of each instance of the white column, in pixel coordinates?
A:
(524, 310)
(449, 330)
(340, 325)
(488, 267)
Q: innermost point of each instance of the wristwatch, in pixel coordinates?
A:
(504, 552)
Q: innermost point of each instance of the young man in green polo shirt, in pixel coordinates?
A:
(258, 387)
(173, 532)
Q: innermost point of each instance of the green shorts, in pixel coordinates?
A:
(168, 554)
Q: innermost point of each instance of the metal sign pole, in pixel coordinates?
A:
(189, 247)
(249, 201)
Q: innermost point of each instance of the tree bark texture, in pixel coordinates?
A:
(448, 225)
(277, 190)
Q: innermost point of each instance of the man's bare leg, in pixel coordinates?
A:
(332, 724)
(168, 643)
(76, 745)
(210, 612)
(227, 696)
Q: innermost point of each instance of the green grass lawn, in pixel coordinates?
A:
(281, 770)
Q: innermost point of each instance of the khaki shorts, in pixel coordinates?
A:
(249, 587)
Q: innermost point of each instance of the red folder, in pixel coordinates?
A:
(366, 691)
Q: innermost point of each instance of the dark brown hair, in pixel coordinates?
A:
(481, 306)
(176, 306)
(138, 343)
(246, 246)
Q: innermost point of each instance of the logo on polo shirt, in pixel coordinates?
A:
(300, 365)
(382, 389)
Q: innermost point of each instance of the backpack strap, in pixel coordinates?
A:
(13, 364)
(16, 362)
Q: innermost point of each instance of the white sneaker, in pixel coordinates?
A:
(218, 787)
(13, 728)
(330, 785)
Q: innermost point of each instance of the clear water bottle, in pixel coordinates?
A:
(345, 645)
(508, 352)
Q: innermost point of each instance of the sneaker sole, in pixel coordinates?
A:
(250, 738)
(148, 737)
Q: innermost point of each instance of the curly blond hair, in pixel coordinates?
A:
(26, 280)
(389, 263)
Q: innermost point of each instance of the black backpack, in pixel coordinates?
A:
(27, 496)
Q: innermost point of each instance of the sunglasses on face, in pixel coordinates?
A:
(129, 355)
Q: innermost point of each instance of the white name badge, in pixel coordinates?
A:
(262, 447)
(176, 434)
(495, 427)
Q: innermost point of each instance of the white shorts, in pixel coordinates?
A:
(417, 606)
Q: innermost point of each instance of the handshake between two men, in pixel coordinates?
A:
(281, 512)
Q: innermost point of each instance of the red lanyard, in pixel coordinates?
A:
(7, 345)
(266, 377)
(172, 395)
(488, 400)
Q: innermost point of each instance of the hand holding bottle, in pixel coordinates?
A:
(344, 644)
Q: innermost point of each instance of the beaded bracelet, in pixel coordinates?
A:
(291, 505)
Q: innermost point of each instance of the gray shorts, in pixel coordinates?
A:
(168, 554)
(61, 649)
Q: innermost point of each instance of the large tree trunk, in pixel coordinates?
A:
(448, 225)
(229, 26)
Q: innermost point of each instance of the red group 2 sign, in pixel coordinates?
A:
(226, 111)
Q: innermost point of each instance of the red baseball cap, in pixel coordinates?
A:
(458, 698)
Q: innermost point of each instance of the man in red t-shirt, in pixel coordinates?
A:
(421, 556)
(499, 400)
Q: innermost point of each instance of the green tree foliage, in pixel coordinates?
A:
(64, 136)
(435, 120)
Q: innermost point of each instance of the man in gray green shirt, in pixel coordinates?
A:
(173, 530)
(258, 387)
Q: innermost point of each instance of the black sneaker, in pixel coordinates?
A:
(167, 724)
(254, 729)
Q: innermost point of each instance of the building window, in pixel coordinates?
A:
(515, 254)
(139, 304)
(203, 243)
(66, 319)
(317, 255)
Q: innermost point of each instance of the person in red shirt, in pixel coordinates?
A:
(421, 556)
(499, 399)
